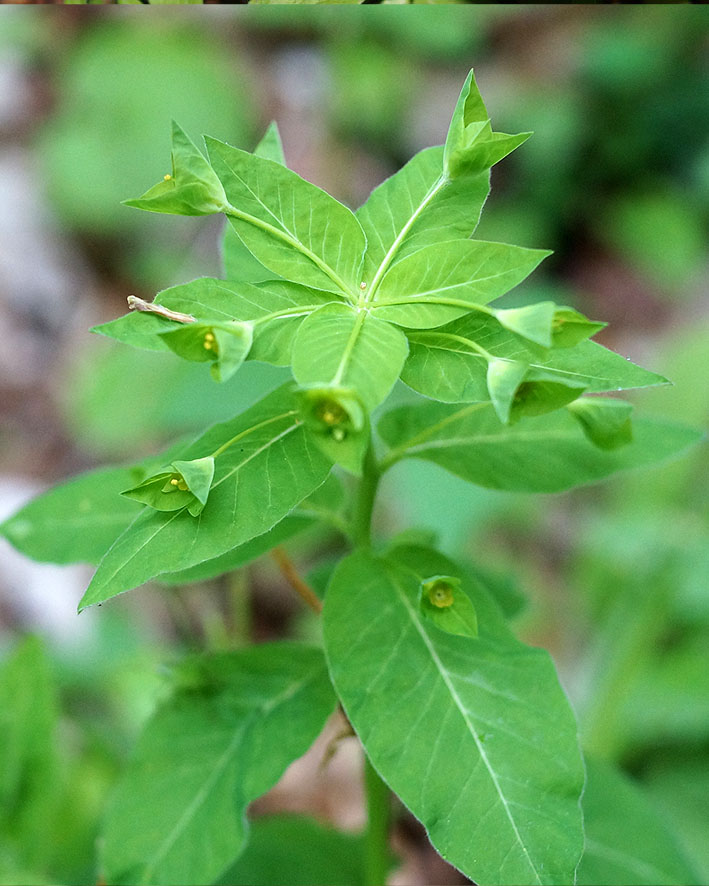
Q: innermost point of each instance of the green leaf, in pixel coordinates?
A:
(441, 282)
(29, 770)
(626, 840)
(275, 309)
(300, 852)
(230, 731)
(450, 363)
(418, 206)
(474, 735)
(471, 145)
(605, 422)
(291, 226)
(546, 453)
(443, 601)
(338, 346)
(323, 505)
(78, 520)
(503, 379)
(265, 464)
(192, 189)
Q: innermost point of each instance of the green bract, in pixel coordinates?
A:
(468, 725)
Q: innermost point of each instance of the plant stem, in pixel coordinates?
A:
(290, 573)
(364, 504)
(376, 847)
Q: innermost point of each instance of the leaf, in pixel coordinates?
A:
(503, 379)
(298, 851)
(450, 363)
(274, 308)
(78, 520)
(547, 325)
(322, 505)
(29, 768)
(230, 732)
(265, 464)
(546, 453)
(191, 189)
(418, 206)
(626, 840)
(471, 145)
(474, 735)
(338, 346)
(441, 282)
(291, 226)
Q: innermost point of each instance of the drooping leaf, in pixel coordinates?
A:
(474, 735)
(193, 187)
(340, 347)
(438, 283)
(290, 225)
(274, 308)
(230, 731)
(547, 453)
(450, 363)
(626, 839)
(265, 464)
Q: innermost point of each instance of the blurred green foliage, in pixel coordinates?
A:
(616, 176)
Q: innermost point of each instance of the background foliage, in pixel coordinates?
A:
(615, 180)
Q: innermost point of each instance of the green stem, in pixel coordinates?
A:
(376, 847)
(364, 504)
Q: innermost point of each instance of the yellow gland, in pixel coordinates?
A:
(209, 341)
(174, 481)
(363, 285)
(441, 595)
(167, 177)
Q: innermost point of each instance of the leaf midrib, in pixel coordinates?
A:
(401, 593)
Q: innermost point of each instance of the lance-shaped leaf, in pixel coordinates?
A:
(417, 206)
(605, 422)
(237, 722)
(546, 453)
(547, 325)
(626, 838)
(450, 363)
(474, 735)
(265, 464)
(323, 505)
(273, 308)
(438, 283)
(78, 520)
(339, 346)
(471, 145)
(185, 484)
(193, 188)
(291, 226)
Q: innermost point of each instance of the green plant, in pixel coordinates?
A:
(465, 723)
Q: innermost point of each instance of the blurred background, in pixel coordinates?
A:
(613, 580)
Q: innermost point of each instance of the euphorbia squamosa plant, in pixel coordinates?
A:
(466, 724)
